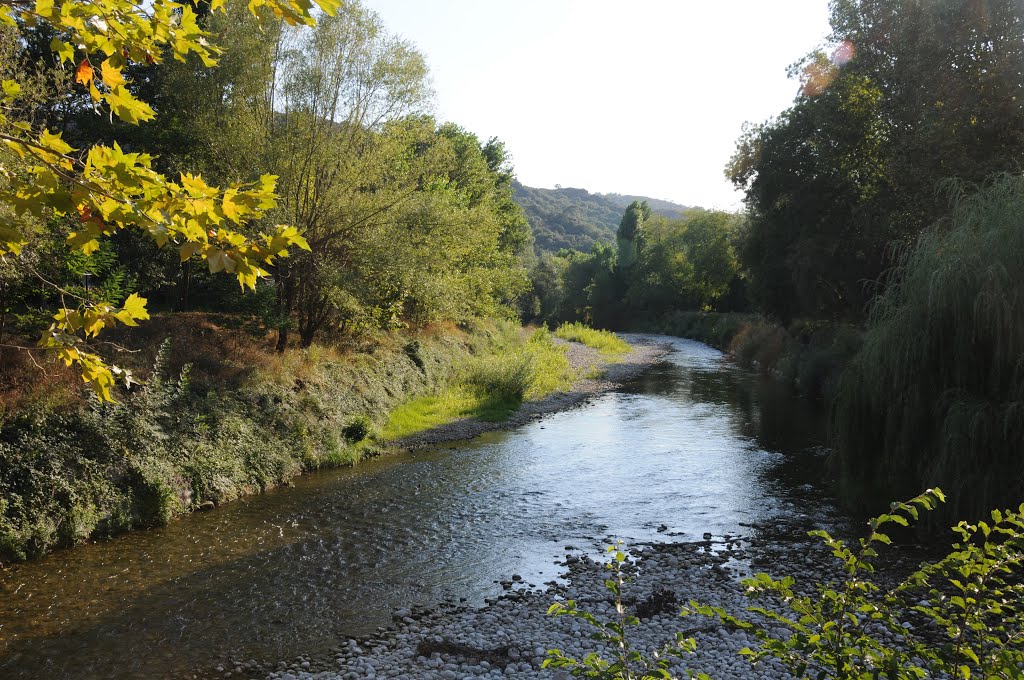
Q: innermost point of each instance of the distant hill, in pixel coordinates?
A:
(576, 218)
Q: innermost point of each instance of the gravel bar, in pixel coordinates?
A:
(511, 635)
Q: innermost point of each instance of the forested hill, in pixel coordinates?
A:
(576, 218)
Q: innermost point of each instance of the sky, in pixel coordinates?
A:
(646, 97)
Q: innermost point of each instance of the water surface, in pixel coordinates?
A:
(695, 445)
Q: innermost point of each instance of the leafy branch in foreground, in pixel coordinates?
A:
(625, 663)
(108, 190)
(966, 608)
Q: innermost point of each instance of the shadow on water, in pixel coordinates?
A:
(694, 445)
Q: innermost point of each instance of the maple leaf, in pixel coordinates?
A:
(84, 74)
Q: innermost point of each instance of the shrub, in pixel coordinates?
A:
(967, 608)
(623, 662)
(501, 378)
(357, 429)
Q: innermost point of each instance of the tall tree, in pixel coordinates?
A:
(917, 92)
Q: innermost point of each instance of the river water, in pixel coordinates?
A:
(695, 445)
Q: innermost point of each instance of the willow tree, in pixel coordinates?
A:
(936, 395)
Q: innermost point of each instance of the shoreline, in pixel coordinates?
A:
(511, 634)
(644, 355)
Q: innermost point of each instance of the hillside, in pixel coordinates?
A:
(576, 218)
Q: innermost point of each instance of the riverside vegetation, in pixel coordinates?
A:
(376, 249)
(198, 434)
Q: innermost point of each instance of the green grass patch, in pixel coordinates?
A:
(610, 345)
(552, 371)
(489, 388)
(428, 412)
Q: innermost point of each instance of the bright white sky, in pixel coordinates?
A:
(645, 97)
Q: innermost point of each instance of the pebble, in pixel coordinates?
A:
(511, 635)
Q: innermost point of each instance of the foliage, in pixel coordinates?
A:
(657, 266)
(916, 92)
(630, 235)
(625, 663)
(552, 371)
(685, 264)
(243, 419)
(501, 379)
(970, 599)
(357, 429)
(936, 395)
(108, 190)
(713, 328)
(609, 344)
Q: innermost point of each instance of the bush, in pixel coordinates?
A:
(357, 429)
(502, 378)
(967, 608)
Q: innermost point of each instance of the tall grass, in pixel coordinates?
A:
(610, 345)
(936, 395)
(488, 387)
(552, 370)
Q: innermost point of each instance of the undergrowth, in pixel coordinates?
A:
(610, 345)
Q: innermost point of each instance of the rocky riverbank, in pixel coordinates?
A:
(511, 635)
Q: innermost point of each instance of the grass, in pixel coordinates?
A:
(428, 412)
(488, 388)
(552, 371)
(611, 346)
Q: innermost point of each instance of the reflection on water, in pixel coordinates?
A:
(696, 445)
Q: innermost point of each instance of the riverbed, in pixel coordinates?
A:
(693, 446)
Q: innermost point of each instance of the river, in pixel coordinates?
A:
(695, 445)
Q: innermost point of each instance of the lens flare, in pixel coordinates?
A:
(844, 53)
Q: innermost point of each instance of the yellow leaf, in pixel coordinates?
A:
(111, 74)
(229, 207)
(63, 50)
(11, 240)
(136, 307)
(54, 143)
(127, 107)
(195, 185)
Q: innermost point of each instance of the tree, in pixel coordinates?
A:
(110, 190)
(916, 92)
(936, 394)
(630, 233)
